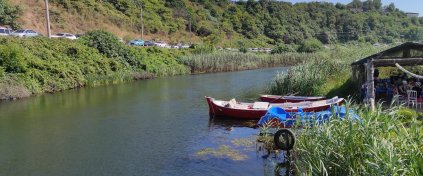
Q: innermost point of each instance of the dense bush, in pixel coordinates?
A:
(109, 45)
(310, 46)
(283, 48)
(9, 14)
(50, 65)
(12, 58)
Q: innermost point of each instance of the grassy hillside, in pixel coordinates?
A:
(220, 22)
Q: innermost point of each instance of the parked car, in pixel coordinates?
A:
(149, 43)
(136, 42)
(5, 31)
(24, 33)
(64, 35)
(161, 44)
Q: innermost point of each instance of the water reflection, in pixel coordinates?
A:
(152, 127)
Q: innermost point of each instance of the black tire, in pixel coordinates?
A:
(287, 143)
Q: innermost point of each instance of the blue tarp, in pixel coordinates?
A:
(289, 118)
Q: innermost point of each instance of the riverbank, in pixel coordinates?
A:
(30, 66)
(386, 142)
(328, 74)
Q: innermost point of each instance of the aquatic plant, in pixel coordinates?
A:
(327, 73)
(234, 61)
(380, 144)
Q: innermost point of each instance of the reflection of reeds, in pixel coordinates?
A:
(380, 144)
(115, 78)
(229, 61)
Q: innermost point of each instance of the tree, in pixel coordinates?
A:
(357, 4)
(9, 15)
(391, 8)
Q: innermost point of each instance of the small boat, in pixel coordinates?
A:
(253, 111)
(288, 99)
(276, 116)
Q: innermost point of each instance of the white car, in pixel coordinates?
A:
(161, 44)
(24, 33)
(64, 35)
(5, 31)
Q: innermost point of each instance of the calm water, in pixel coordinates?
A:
(153, 127)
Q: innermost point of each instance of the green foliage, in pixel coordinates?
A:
(380, 144)
(109, 45)
(406, 114)
(243, 50)
(9, 14)
(203, 49)
(283, 48)
(323, 73)
(310, 46)
(274, 22)
(49, 65)
(12, 59)
(234, 61)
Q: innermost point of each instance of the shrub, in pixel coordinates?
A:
(12, 58)
(109, 45)
(243, 50)
(310, 46)
(283, 48)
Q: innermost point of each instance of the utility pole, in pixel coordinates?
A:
(48, 20)
(190, 31)
(142, 23)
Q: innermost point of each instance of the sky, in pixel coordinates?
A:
(403, 5)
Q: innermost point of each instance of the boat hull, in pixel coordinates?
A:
(288, 99)
(255, 114)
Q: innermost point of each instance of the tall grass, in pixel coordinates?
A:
(231, 61)
(384, 143)
(326, 71)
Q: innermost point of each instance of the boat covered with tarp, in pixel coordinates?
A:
(277, 116)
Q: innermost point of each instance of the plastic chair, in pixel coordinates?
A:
(412, 98)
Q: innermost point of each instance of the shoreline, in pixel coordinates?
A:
(11, 98)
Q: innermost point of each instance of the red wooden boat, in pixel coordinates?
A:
(288, 99)
(254, 111)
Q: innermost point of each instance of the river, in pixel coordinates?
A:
(151, 127)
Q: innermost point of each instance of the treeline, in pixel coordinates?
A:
(261, 23)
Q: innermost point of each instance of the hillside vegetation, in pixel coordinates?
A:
(220, 22)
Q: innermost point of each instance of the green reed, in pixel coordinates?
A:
(326, 71)
(235, 61)
(383, 143)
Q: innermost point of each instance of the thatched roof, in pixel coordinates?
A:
(406, 54)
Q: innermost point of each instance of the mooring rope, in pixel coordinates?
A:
(408, 72)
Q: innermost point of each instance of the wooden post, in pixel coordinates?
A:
(370, 95)
(47, 19)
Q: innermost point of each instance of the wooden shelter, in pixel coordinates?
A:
(406, 54)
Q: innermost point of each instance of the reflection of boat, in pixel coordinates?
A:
(256, 110)
(285, 99)
(276, 116)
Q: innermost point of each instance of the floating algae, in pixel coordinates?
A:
(223, 151)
